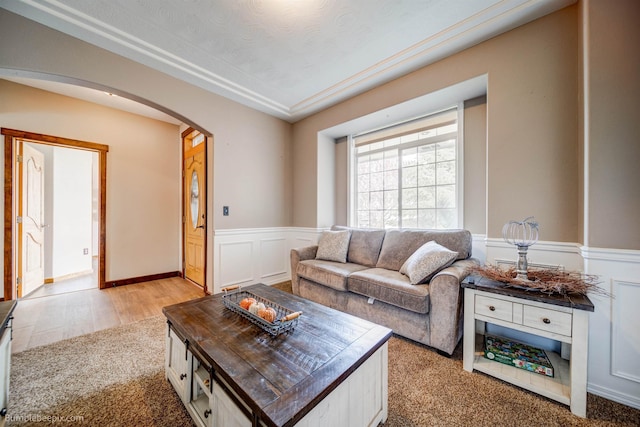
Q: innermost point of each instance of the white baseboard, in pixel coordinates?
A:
(612, 394)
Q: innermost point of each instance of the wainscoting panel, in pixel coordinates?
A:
(479, 247)
(273, 256)
(301, 237)
(625, 330)
(257, 255)
(235, 262)
(614, 337)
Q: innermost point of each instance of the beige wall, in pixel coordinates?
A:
(475, 165)
(252, 164)
(143, 173)
(270, 173)
(532, 108)
(341, 213)
(612, 134)
(326, 189)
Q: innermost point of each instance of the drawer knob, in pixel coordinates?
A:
(207, 413)
(546, 320)
(492, 308)
(183, 376)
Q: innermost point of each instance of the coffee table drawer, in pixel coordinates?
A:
(494, 308)
(547, 320)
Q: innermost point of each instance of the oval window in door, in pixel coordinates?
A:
(195, 199)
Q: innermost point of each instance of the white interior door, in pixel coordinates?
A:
(32, 235)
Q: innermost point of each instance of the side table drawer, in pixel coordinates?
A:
(495, 308)
(547, 320)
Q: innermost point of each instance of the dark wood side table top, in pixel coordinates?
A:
(576, 301)
(281, 378)
(6, 310)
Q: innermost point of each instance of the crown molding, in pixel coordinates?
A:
(496, 19)
(80, 25)
(488, 23)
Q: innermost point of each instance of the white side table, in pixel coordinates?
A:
(550, 316)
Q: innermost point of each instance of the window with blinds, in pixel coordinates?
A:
(407, 176)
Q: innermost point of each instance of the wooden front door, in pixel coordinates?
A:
(195, 206)
(31, 220)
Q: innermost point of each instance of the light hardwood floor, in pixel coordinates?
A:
(47, 319)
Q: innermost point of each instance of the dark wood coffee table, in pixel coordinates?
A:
(333, 366)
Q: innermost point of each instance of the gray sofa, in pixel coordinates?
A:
(369, 284)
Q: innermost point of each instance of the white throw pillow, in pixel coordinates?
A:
(334, 245)
(426, 261)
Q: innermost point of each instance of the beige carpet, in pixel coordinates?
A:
(115, 378)
(427, 389)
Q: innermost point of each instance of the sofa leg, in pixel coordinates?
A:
(443, 353)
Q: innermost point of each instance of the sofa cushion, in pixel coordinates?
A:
(364, 246)
(398, 245)
(333, 245)
(327, 273)
(391, 287)
(426, 261)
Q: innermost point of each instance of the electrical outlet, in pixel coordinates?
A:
(225, 210)
(85, 251)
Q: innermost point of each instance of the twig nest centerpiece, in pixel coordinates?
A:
(549, 281)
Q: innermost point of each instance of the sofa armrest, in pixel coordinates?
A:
(297, 255)
(446, 309)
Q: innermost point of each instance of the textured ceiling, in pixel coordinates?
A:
(289, 58)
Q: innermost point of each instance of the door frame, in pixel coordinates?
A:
(183, 136)
(11, 197)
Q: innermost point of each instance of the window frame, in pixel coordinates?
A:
(459, 149)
